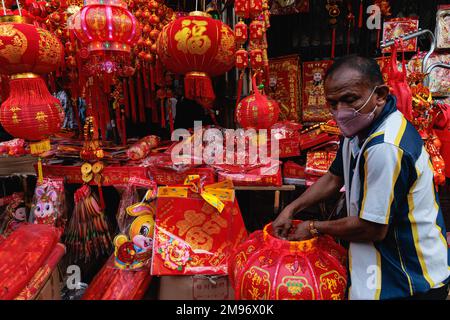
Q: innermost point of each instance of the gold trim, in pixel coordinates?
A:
(28, 75)
(198, 74)
(16, 19)
(199, 14)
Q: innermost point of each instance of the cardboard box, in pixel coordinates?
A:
(196, 287)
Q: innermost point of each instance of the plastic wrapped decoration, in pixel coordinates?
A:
(21, 256)
(87, 234)
(117, 284)
(267, 268)
(49, 203)
(133, 250)
(142, 148)
(15, 213)
(443, 27)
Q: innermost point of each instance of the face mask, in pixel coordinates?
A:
(351, 121)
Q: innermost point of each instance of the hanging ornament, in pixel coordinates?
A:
(30, 112)
(240, 32)
(242, 8)
(108, 30)
(198, 47)
(257, 30)
(334, 12)
(257, 110)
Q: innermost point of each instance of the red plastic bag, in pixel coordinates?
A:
(22, 254)
(116, 284)
(399, 86)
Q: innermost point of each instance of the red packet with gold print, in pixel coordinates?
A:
(196, 228)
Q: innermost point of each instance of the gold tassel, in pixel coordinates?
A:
(40, 173)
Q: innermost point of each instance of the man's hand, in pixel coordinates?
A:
(302, 232)
(283, 223)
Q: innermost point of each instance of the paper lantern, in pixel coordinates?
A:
(108, 30)
(257, 110)
(30, 112)
(241, 8)
(257, 30)
(255, 8)
(256, 58)
(198, 47)
(267, 268)
(240, 32)
(241, 59)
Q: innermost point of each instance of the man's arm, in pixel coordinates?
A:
(326, 186)
(351, 229)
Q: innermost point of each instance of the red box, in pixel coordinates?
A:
(170, 177)
(269, 175)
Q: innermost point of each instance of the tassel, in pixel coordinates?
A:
(239, 87)
(140, 98)
(145, 73)
(198, 86)
(152, 78)
(126, 97)
(102, 199)
(133, 101)
(170, 116)
(333, 42)
(154, 108)
(163, 117)
(124, 128)
(118, 118)
(40, 172)
(361, 14)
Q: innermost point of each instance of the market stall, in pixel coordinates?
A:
(152, 143)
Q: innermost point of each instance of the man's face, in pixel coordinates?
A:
(347, 89)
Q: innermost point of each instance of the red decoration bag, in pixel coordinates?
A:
(399, 86)
(196, 228)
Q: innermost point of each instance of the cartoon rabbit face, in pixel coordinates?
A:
(45, 204)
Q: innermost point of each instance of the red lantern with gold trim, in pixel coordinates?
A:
(267, 268)
(240, 32)
(241, 8)
(257, 110)
(255, 8)
(256, 58)
(30, 112)
(257, 30)
(241, 59)
(109, 31)
(198, 47)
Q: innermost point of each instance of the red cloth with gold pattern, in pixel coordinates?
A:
(267, 268)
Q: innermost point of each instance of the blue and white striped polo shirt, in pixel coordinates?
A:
(389, 180)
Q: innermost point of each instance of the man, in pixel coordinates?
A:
(394, 223)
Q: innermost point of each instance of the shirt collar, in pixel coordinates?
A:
(389, 108)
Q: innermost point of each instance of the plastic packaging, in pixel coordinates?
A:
(49, 203)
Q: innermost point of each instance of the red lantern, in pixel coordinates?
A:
(240, 32)
(255, 8)
(241, 59)
(109, 31)
(256, 58)
(30, 111)
(257, 111)
(256, 30)
(265, 267)
(198, 47)
(241, 8)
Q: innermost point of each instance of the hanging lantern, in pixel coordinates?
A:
(240, 32)
(255, 8)
(257, 111)
(198, 47)
(257, 30)
(30, 112)
(109, 31)
(241, 59)
(267, 268)
(241, 8)
(256, 58)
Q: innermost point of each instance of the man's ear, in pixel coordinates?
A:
(382, 93)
